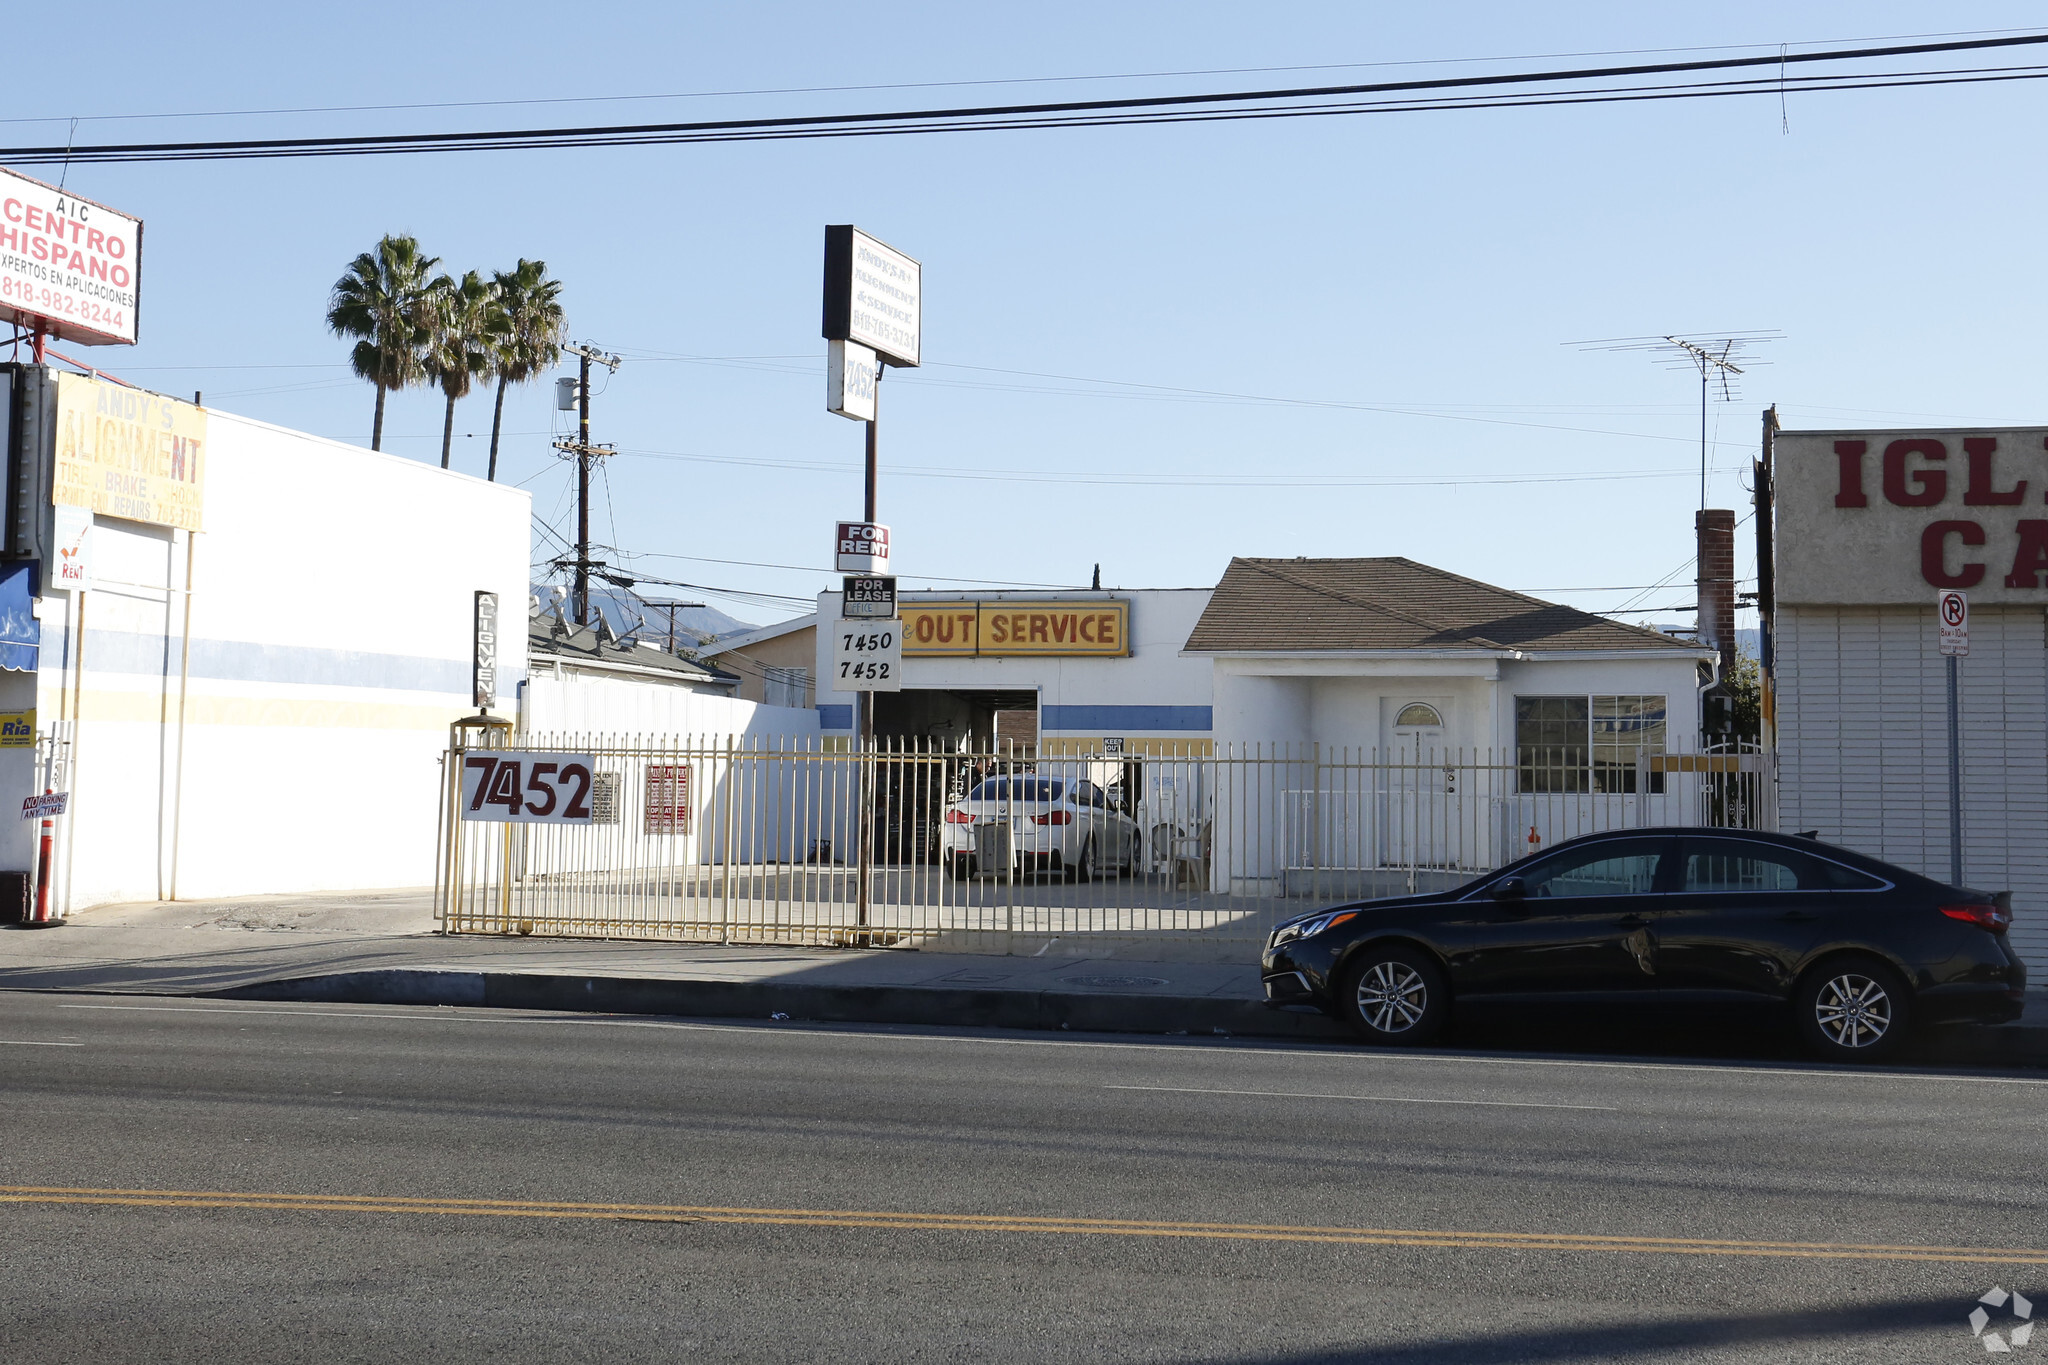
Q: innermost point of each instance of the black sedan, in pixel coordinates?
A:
(1862, 952)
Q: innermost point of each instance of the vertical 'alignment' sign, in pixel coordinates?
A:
(484, 668)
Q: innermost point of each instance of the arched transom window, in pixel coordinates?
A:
(1416, 714)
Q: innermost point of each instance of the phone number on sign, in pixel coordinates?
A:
(56, 303)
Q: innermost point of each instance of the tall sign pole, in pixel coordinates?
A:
(873, 317)
(1952, 629)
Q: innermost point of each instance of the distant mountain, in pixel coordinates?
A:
(627, 613)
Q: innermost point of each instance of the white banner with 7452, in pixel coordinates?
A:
(527, 788)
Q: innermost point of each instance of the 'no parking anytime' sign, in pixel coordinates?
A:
(522, 787)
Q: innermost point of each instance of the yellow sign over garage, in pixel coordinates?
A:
(125, 453)
(1094, 628)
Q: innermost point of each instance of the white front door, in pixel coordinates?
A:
(1417, 817)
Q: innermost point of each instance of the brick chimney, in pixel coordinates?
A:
(1715, 528)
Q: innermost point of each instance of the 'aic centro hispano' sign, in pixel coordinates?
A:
(67, 265)
(1877, 518)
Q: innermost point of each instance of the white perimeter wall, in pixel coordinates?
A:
(568, 701)
(1862, 698)
(330, 648)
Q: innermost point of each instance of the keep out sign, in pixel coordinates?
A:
(528, 788)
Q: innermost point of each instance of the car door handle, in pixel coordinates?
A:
(1798, 916)
(1631, 921)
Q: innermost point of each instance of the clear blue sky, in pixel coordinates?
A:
(1424, 269)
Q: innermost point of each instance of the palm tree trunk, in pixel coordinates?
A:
(377, 428)
(497, 420)
(447, 431)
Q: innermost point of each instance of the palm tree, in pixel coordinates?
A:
(462, 349)
(383, 302)
(529, 335)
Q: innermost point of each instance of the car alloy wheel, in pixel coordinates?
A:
(1395, 995)
(1392, 997)
(1083, 867)
(1853, 1011)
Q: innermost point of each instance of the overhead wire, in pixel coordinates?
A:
(984, 81)
(1492, 91)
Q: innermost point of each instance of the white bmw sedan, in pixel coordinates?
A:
(1059, 824)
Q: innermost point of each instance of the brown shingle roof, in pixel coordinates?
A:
(1286, 605)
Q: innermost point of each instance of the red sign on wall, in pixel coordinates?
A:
(668, 798)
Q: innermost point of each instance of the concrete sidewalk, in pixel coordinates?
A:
(381, 948)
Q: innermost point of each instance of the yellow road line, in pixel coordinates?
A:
(897, 1220)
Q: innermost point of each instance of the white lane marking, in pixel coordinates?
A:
(29, 1042)
(1232, 1047)
(296, 1014)
(1375, 1099)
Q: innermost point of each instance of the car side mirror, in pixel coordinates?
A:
(1510, 889)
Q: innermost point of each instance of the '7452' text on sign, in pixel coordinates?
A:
(528, 788)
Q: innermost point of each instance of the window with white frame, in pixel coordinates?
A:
(785, 686)
(1589, 743)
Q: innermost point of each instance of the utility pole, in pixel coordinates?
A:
(584, 452)
(671, 608)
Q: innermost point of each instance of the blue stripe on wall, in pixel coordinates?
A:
(121, 651)
(1120, 719)
(835, 717)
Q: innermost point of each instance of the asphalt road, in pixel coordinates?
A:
(189, 1180)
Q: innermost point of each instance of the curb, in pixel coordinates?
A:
(1045, 1010)
(2007, 1045)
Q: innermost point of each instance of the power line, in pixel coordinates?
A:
(960, 84)
(1206, 106)
(1176, 479)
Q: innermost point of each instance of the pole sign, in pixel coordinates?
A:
(850, 373)
(528, 788)
(1952, 623)
(484, 655)
(867, 656)
(873, 295)
(861, 547)
(68, 266)
(868, 597)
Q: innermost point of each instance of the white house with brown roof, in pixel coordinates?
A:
(1385, 654)
(1380, 713)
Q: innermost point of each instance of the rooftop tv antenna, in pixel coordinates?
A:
(1720, 357)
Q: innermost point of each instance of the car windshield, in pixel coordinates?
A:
(1017, 789)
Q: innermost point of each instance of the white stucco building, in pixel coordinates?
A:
(245, 679)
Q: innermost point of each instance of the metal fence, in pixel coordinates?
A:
(1178, 850)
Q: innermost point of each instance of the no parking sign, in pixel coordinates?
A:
(1952, 623)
